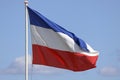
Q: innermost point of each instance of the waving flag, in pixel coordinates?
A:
(55, 46)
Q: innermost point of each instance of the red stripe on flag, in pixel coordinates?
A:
(62, 59)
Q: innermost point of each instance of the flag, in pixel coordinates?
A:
(55, 46)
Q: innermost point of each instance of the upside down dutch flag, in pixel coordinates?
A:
(55, 46)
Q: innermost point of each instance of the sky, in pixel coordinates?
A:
(95, 21)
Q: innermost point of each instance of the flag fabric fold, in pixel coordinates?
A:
(55, 46)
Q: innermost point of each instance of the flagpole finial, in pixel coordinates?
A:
(26, 2)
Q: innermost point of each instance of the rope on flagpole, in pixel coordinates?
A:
(26, 40)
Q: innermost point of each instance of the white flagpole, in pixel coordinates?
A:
(26, 40)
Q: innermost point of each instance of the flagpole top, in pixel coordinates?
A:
(26, 2)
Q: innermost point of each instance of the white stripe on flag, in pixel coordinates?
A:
(56, 40)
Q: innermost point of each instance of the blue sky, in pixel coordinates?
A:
(95, 21)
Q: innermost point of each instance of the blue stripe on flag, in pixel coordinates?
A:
(39, 20)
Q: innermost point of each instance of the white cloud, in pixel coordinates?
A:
(110, 71)
(18, 67)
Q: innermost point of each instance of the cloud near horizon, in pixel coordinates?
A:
(18, 67)
(110, 71)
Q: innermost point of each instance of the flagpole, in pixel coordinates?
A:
(26, 40)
